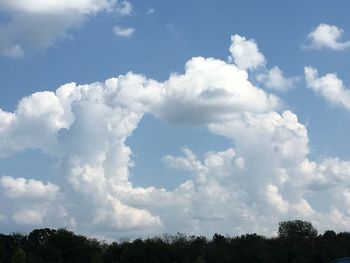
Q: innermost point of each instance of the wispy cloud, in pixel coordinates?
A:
(275, 79)
(124, 8)
(150, 11)
(123, 31)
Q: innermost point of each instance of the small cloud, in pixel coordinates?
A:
(150, 11)
(2, 218)
(329, 86)
(275, 79)
(327, 36)
(123, 31)
(124, 8)
(245, 53)
(15, 51)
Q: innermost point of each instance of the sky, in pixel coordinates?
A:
(137, 118)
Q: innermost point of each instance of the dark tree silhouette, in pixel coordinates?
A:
(19, 256)
(297, 229)
(297, 242)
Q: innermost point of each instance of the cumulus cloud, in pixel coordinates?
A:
(23, 188)
(247, 56)
(34, 125)
(210, 90)
(277, 181)
(51, 6)
(63, 124)
(37, 24)
(189, 162)
(265, 176)
(245, 53)
(28, 217)
(327, 36)
(329, 86)
(248, 129)
(124, 8)
(275, 79)
(123, 31)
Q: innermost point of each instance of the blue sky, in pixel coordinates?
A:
(234, 117)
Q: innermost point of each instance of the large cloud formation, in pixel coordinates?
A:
(265, 176)
(36, 24)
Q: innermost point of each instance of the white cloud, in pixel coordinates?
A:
(124, 8)
(38, 24)
(14, 51)
(211, 90)
(275, 199)
(275, 79)
(189, 162)
(52, 6)
(150, 11)
(63, 124)
(277, 183)
(265, 177)
(283, 134)
(28, 217)
(245, 53)
(2, 218)
(123, 31)
(34, 125)
(126, 217)
(329, 86)
(95, 176)
(327, 36)
(23, 188)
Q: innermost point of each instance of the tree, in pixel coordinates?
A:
(7, 246)
(299, 259)
(329, 235)
(19, 256)
(39, 237)
(199, 259)
(297, 229)
(96, 258)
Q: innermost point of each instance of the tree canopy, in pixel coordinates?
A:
(297, 242)
(297, 229)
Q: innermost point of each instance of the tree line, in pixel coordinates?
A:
(297, 242)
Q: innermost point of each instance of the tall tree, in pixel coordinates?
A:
(297, 229)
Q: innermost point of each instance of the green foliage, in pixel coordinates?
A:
(297, 229)
(7, 246)
(97, 258)
(299, 259)
(19, 256)
(39, 237)
(297, 243)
